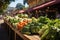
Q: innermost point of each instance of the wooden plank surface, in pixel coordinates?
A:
(25, 37)
(33, 37)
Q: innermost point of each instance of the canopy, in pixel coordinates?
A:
(52, 2)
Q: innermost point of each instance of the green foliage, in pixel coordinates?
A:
(4, 4)
(19, 6)
(25, 1)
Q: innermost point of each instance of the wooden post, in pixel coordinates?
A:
(15, 36)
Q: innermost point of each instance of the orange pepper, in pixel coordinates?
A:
(19, 26)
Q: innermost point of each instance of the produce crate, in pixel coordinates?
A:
(23, 36)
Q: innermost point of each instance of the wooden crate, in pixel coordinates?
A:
(23, 36)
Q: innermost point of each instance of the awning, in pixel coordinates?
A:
(21, 11)
(44, 5)
(52, 2)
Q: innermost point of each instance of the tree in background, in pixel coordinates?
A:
(19, 6)
(4, 4)
(25, 1)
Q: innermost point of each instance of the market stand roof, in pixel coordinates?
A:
(21, 11)
(52, 2)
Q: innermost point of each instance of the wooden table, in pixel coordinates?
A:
(23, 36)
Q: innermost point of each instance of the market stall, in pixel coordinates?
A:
(35, 24)
(17, 32)
(41, 28)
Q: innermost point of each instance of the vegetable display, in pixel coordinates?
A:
(46, 28)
